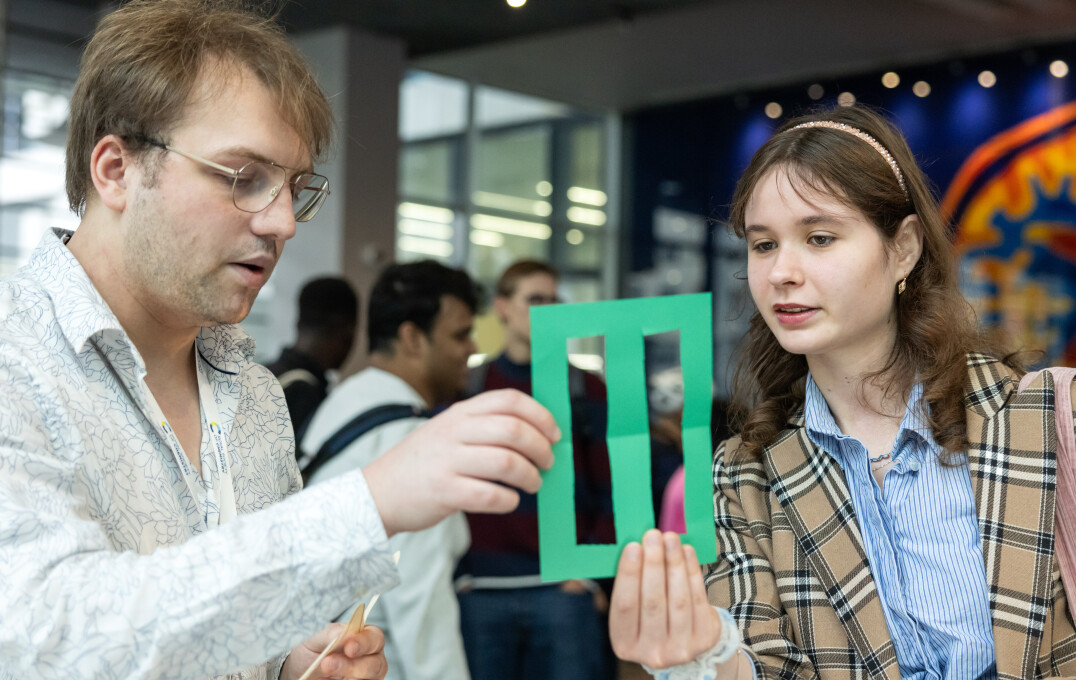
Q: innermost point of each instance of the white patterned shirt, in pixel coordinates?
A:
(108, 568)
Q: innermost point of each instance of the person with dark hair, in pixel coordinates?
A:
(420, 323)
(515, 625)
(887, 509)
(150, 520)
(328, 313)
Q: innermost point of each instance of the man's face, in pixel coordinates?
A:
(190, 257)
(448, 346)
(515, 310)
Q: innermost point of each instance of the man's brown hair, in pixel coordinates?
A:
(144, 61)
(509, 281)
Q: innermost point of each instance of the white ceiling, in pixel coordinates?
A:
(731, 45)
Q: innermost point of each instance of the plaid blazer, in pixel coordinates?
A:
(793, 571)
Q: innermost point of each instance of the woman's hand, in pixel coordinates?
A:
(659, 615)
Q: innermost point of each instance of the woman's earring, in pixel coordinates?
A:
(902, 285)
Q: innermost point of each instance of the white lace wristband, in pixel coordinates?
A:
(704, 666)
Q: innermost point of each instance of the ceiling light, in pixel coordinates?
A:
(490, 239)
(988, 79)
(846, 99)
(516, 3)
(505, 225)
(424, 246)
(1059, 69)
(774, 110)
(588, 196)
(586, 216)
(921, 88)
(574, 236)
(891, 80)
(427, 213)
(425, 229)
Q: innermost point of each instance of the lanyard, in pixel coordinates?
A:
(223, 493)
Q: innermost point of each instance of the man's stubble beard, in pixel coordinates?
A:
(157, 264)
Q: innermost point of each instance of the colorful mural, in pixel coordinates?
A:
(1013, 204)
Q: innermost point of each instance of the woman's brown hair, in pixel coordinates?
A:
(936, 326)
(141, 67)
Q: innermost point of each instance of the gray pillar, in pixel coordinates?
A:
(354, 234)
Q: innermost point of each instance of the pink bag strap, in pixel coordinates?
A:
(1065, 507)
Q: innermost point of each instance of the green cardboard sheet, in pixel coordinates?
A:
(624, 323)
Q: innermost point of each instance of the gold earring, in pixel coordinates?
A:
(902, 285)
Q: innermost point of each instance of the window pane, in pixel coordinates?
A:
(427, 171)
(431, 106)
(584, 248)
(492, 251)
(32, 196)
(495, 107)
(511, 172)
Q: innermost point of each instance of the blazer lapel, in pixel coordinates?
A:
(811, 489)
(1012, 464)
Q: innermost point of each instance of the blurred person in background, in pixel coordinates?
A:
(420, 322)
(514, 625)
(325, 334)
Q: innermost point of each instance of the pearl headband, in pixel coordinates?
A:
(856, 132)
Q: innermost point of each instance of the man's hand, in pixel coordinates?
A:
(659, 615)
(462, 459)
(360, 656)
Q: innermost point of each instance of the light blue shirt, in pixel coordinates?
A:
(108, 568)
(923, 544)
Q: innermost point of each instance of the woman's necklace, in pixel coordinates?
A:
(879, 459)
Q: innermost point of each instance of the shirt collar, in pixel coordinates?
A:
(84, 315)
(824, 432)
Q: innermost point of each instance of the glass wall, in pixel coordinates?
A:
(32, 197)
(488, 177)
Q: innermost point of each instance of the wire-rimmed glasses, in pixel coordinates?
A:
(257, 184)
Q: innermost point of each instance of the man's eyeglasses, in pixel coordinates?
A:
(539, 299)
(257, 184)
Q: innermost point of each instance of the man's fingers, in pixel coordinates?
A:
(624, 605)
(500, 465)
(514, 403)
(369, 640)
(479, 495)
(508, 432)
(369, 667)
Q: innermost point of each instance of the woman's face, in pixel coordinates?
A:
(819, 274)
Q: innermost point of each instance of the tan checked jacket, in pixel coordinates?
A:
(793, 571)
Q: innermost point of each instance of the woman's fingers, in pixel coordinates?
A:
(653, 623)
(624, 603)
(681, 610)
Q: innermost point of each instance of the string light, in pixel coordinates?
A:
(846, 99)
(988, 79)
(1059, 69)
(921, 88)
(774, 110)
(891, 80)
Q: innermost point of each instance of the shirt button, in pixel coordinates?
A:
(913, 466)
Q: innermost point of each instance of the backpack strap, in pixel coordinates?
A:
(1065, 505)
(476, 379)
(357, 427)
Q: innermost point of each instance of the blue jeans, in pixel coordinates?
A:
(536, 633)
